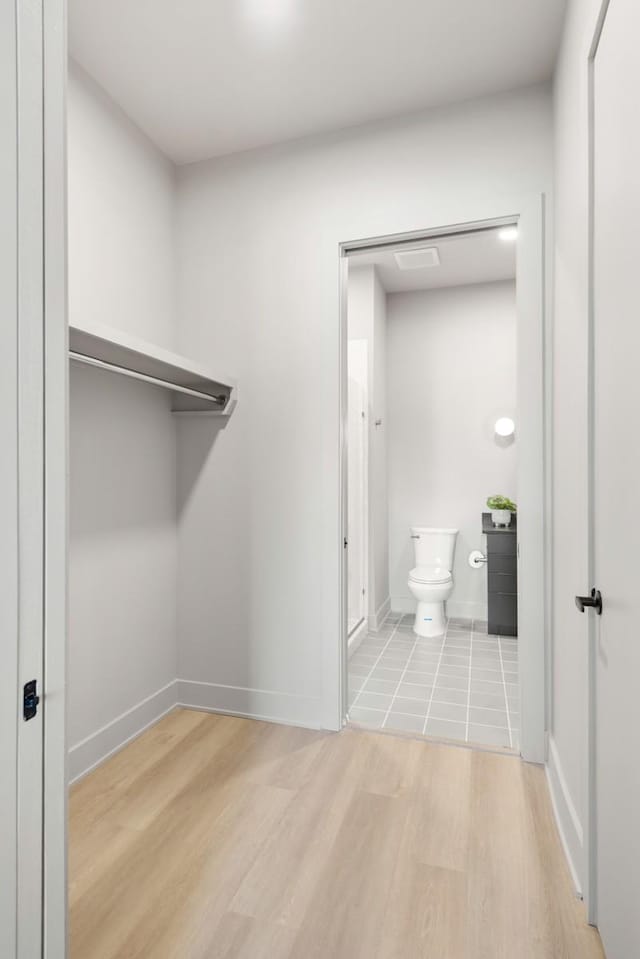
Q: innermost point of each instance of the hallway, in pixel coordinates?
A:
(213, 836)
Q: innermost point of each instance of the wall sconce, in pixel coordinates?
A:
(505, 426)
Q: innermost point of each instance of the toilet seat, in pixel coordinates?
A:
(434, 575)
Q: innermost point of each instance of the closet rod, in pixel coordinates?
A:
(220, 399)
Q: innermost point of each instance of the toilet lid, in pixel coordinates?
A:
(430, 574)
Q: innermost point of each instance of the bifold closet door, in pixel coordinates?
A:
(21, 477)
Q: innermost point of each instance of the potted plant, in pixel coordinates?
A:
(501, 509)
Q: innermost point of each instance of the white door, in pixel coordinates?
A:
(616, 476)
(8, 485)
(356, 504)
(21, 476)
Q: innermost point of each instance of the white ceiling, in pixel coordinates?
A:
(472, 258)
(208, 77)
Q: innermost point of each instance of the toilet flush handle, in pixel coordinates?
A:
(415, 536)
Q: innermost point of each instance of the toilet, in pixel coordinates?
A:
(431, 580)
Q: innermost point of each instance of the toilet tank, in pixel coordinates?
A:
(434, 547)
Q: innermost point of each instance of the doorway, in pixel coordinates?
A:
(398, 680)
(441, 323)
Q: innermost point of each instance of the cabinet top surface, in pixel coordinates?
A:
(488, 527)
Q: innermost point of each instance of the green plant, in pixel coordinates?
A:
(501, 502)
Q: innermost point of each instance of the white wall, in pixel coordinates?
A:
(123, 541)
(451, 372)
(121, 218)
(568, 744)
(122, 559)
(367, 320)
(258, 239)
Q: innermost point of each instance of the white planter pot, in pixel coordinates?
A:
(501, 517)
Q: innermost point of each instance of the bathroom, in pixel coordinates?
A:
(431, 437)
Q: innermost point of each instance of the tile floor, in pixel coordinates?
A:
(463, 685)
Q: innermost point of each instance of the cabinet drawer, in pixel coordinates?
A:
(503, 582)
(499, 629)
(502, 543)
(503, 612)
(502, 563)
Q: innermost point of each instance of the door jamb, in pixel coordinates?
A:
(528, 213)
(55, 910)
(366, 582)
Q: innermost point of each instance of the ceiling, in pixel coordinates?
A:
(470, 258)
(207, 77)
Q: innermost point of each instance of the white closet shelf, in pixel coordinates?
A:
(194, 390)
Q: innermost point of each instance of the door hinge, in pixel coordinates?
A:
(30, 700)
(345, 543)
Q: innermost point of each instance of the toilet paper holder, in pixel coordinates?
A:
(476, 559)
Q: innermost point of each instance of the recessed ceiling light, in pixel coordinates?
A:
(421, 259)
(271, 19)
(509, 234)
(267, 10)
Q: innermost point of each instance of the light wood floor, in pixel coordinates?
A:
(212, 836)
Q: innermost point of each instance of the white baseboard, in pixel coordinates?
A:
(567, 820)
(264, 704)
(461, 609)
(261, 704)
(110, 739)
(403, 604)
(376, 620)
(458, 609)
(356, 638)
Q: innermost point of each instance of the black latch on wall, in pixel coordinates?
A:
(30, 699)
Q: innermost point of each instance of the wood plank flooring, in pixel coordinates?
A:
(212, 836)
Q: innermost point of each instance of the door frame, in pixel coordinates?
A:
(356, 636)
(591, 890)
(56, 471)
(8, 485)
(533, 425)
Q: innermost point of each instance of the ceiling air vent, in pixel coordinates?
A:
(417, 259)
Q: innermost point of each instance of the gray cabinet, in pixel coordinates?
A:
(502, 576)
